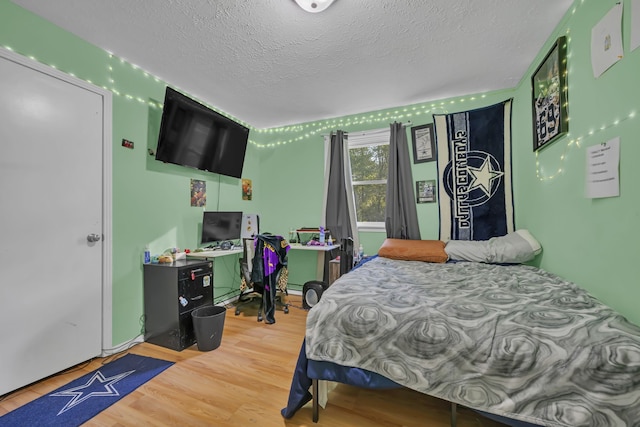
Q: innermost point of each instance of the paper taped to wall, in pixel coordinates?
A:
(602, 169)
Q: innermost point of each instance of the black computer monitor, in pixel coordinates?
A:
(220, 226)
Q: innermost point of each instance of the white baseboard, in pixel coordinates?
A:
(140, 338)
(122, 347)
(228, 301)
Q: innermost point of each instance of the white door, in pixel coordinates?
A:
(51, 171)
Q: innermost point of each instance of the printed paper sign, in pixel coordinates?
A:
(602, 169)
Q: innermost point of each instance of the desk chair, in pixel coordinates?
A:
(250, 290)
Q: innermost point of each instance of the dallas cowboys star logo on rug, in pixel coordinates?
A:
(88, 395)
(97, 386)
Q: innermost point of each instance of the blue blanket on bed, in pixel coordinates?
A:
(306, 369)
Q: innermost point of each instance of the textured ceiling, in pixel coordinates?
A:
(269, 63)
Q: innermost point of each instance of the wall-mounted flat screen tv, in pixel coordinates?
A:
(194, 135)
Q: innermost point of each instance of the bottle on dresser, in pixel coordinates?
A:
(147, 255)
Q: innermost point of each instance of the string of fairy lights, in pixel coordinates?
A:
(577, 142)
(313, 129)
(304, 131)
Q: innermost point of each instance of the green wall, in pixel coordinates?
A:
(151, 203)
(587, 241)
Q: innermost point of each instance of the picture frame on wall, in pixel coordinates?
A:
(424, 147)
(426, 191)
(549, 96)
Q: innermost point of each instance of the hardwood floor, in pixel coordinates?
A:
(245, 382)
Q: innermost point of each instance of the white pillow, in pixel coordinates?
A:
(535, 245)
(467, 250)
(514, 248)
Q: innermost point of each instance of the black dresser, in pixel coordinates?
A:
(171, 293)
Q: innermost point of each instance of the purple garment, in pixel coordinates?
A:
(270, 258)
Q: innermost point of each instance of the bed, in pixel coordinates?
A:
(511, 341)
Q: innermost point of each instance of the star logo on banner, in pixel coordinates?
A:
(479, 178)
(484, 176)
(97, 386)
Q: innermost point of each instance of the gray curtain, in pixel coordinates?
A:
(337, 211)
(401, 219)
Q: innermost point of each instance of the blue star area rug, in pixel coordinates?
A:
(474, 167)
(83, 398)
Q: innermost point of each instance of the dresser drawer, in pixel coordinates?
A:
(195, 288)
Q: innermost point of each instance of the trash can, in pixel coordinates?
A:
(208, 322)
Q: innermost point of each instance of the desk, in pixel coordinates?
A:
(321, 250)
(214, 254)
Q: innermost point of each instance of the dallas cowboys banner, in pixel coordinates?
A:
(474, 167)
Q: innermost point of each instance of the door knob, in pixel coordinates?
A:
(93, 238)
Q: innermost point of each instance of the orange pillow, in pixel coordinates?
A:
(414, 250)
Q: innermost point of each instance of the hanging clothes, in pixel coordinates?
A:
(270, 257)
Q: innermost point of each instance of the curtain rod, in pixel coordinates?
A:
(366, 131)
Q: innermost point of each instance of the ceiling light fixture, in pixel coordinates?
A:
(314, 6)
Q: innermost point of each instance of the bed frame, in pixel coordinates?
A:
(316, 404)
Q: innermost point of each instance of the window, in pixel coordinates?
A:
(369, 158)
